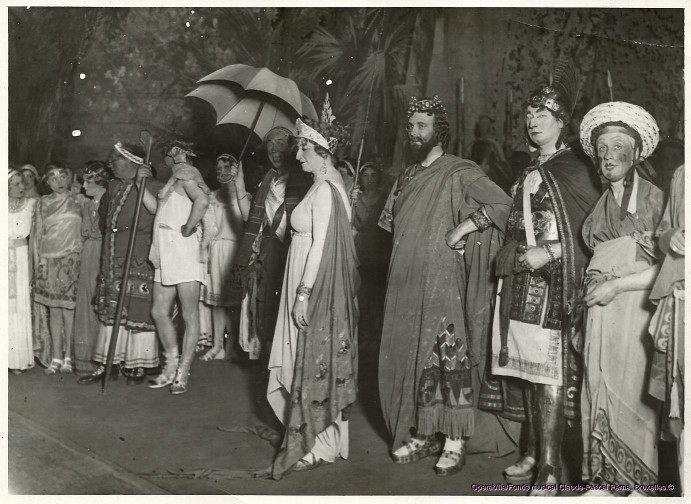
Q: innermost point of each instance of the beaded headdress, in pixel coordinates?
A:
(305, 131)
(425, 105)
(127, 154)
(227, 157)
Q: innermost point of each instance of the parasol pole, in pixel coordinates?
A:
(609, 85)
(254, 124)
(146, 138)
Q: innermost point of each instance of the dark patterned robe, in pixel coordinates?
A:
(116, 212)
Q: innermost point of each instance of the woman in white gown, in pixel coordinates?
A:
(20, 347)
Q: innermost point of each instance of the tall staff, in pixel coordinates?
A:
(460, 114)
(369, 102)
(147, 140)
(609, 85)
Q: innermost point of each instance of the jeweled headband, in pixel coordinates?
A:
(425, 105)
(127, 154)
(305, 131)
(227, 157)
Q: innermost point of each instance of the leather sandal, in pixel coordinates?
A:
(54, 367)
(213, 354)
(457, 458)
(308, 462)
(136, 377)
(66, 367)
(416, 449)
(522, 471)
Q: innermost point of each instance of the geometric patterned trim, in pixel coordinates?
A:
(611, 460)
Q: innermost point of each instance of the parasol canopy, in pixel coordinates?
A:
(255, 98)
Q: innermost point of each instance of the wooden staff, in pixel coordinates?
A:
(147, 140)
(609, 85)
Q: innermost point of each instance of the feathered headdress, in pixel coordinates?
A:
(306, 131)
(561, 95)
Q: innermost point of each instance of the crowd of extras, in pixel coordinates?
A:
(508, 296)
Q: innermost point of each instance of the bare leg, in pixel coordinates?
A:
(188, 293)
(56, 323)
(221, 318)
(164, 297)
(68, 339)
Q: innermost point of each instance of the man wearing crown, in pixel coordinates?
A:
(447, 219)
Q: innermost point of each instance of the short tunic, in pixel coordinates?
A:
(180, 256)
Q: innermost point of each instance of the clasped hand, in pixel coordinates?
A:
(531, 257)
(602, 294)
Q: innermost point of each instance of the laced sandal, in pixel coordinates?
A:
(522, 471)
(213, 354)
(452, 458)
(54, 367)
(167, 376)
(308, 462)
(416, 449)
(66, 367)
(179, 385)
(547, 482)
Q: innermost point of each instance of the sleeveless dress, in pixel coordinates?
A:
(180, 256)
(19, 341)
(304, 372)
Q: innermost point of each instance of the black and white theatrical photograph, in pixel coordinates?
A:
(345, 250)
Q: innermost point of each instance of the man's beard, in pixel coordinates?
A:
(421, 150)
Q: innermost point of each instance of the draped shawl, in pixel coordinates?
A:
(325, 375)
(432, 286)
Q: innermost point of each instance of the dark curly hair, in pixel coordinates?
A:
(440, 125)
(98, 172)
(333, 130)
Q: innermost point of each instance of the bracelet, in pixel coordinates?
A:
(550, 253)
(480, 219)
(304, 290)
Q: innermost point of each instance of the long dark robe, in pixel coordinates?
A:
(116, 211)
(431, 286)
(261, 273)
(573, 187)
